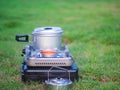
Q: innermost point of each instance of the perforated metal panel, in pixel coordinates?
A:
(49, 61)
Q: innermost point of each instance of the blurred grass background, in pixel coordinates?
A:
(91, 29)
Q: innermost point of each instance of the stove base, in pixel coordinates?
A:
(41, 73)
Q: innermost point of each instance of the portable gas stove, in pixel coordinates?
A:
(45, 52)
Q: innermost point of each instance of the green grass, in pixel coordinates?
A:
(91, 29)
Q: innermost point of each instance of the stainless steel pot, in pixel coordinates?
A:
(58, 83)
(47, 38)
(44, 38)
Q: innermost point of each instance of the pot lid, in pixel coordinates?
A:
(59, 81)
(47, 30)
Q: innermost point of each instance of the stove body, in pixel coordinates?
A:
(41, 73)
(41, 55)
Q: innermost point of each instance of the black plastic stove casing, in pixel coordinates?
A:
(41, 73)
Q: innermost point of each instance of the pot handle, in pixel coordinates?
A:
(57, 68)
(22, 38)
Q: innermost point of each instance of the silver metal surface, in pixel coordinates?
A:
(49, 61)
(47, 38)
(35, 58)
(58, 83)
